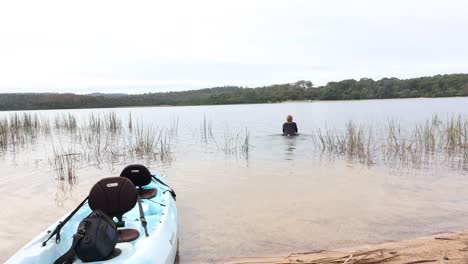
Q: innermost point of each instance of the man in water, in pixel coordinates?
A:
(290, 127)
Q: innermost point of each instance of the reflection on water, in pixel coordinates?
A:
(243, 189)
(290, 146)
(268, 209)
(65, 169)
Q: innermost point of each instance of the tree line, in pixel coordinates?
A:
(365, 88)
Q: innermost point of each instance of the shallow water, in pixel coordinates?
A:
(279, 197)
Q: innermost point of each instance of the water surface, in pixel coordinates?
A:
(280, 196)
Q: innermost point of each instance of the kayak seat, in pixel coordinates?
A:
(140, 176)
(115, 196)
(147, 193)
(128, 235)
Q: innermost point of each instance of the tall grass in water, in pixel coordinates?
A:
(104, 138)
(456, 134)
(174, 126)
(94, 123)
(245, 147)
(235, 142)
(166, 146)
(65, 166)
(45, 125)
(91, 140)
(4, 134)
(206, 130)
(65, 122)
(97, 123)
(19, 130)
(130, 122)
(113, 123)
(445, 139)
(232, 142)
(143, 140)
(356, 142)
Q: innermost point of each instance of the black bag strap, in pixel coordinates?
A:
(69, 256)
(142, 216)
(163, 183)
(61, 224)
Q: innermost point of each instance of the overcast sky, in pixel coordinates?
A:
(150, 46)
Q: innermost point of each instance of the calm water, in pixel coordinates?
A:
(279, 197)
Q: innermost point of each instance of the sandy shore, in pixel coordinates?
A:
(442, 248)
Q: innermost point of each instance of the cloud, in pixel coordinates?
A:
(139, 46)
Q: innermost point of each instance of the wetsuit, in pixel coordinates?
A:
(289, 129)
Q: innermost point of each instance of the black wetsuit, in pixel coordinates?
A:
(289, 129)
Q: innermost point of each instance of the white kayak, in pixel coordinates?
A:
(159, 247)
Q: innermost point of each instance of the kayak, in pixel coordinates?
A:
(160, 246)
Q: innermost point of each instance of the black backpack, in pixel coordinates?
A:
(94, 240)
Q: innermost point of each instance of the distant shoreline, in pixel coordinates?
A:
(188, 105)
(438, 86)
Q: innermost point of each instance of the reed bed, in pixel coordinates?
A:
(143, 141)
(107, 138)
(19, 130)
(66, 121)
(112, 122)
(356, 142)
(72, 142)
(109, 141)
(166, 146)
(232, 142)
(96, 139)
(435, 139)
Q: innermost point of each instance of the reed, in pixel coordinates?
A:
(65, 122)
(356, 142)
(166, 147)
(206, 130)
(65, 164)
(112, 122)
(130, 122)
(94, 123)
(174, 126)
(442, 139)
(143, 141)
(246, 145)
(235, 142)
(104, 138)
(44, 125)
(4, 134)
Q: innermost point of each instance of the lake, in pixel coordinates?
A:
(242, 188)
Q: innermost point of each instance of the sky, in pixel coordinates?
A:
(157, 46)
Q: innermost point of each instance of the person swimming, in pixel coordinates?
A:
(289, 127)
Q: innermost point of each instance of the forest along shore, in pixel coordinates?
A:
(441, 248)
(449, 85)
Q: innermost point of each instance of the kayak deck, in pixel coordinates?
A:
(159, 247)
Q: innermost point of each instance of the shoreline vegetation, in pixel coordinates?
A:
(107, 139)
(94, 140)
(110, 138)
(438, 248)
(450, 85)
